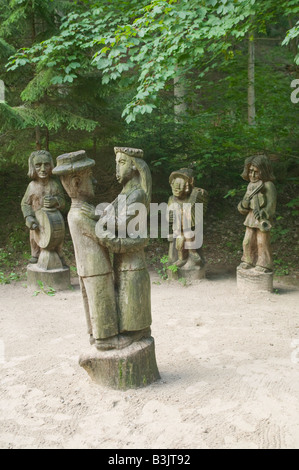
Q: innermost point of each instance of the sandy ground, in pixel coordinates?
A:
(229, 366)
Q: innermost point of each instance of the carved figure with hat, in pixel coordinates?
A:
(92, 258)
(184, 191)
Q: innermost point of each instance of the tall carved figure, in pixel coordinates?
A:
(116, 300)
(132, 281)
(259, 205)
(93, 264)
(189, 261)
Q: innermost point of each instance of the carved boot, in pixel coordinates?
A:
(195, 257)
(181, 261)
(108, 343)
(244, 265)
(261, 269)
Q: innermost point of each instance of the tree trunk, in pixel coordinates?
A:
(47, 139)
(38, 138)
(293, 44)
(251, 90)
(132, 367)
(180, 106)
(33, 28)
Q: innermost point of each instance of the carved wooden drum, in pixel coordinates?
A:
(51, 228)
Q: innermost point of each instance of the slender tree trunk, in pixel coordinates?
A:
(38, 138)
(179, 91)
(33, 27)
(47, 139)
(293, 44)
(33, 36)
(251, 90)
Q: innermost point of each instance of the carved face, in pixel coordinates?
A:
(42, 165)
(124, 168)
(178, 186)
(80, 185)
(254, 174)
(86, 185)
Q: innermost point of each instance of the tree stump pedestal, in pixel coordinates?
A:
(59, 279)
(189, 271)
(131, 367)
(49, 269)
(250, 280)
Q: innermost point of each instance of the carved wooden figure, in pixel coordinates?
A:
(43, 191)
(189, 261)
(258, 205)
(116, 299)
(41, 205)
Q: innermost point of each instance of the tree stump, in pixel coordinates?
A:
(131, 367)
(192, 272)
(249, 280)
(49, 269)
(58, 279)
(189, 271)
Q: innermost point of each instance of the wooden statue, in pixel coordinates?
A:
(190, 261)
(258, 205)
(116, 300)
(45, 192)
(41, 206)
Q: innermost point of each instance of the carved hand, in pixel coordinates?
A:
(50, 201)
(246, 202)
(89, 211)
(257, 214)
(32, 223)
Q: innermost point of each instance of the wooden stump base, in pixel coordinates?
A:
(58, 279)
(131, 367)
(250, 280)
(190, 273)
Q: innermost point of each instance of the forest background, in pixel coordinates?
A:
(199, 84)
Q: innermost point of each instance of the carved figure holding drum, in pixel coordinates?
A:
(41, 205)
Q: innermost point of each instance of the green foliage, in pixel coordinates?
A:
(173, 268)
(45, 290)
(7, 279)
(49, 106)
(162, 271)
(165, 266)
(279, 230)
(153, 41)
(280, 267)
(294, 205)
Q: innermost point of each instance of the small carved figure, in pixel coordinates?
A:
(183, 190)
(43, 191)
(259, 205)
